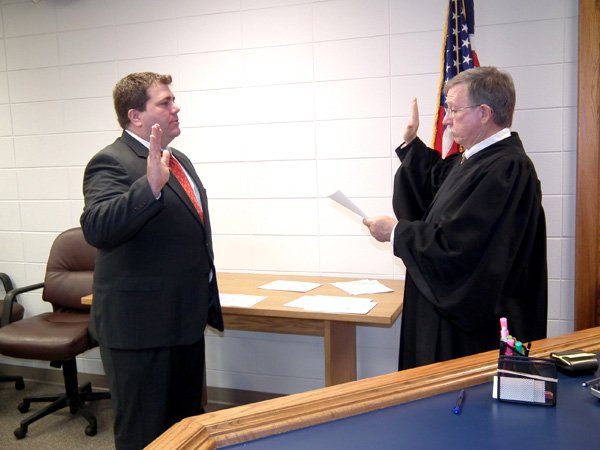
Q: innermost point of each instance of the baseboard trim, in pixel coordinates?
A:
(217, 395)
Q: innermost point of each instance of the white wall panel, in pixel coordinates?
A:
(428, 45)
(343, 19)
(41, 151)
(85, 14)
(25, 18)
(87, 46)
(7, 153)
(10, 217)
(277, 65)
(38, 118)
(213, 70)
(30, 52)
(3, 87)
(209, 33)
(6, 128)
(282, 179)
(282, 103)
(46, 216)
(285, 253)
(87, 80)
(279, 141)
(355, 177)
(353, 138)
(352, 99)
(286, 217)
(34, 85)
(277, 26)
(9, 189)
(353, 58)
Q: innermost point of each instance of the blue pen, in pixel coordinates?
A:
(461, 397)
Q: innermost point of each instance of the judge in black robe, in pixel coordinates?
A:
(472, 237)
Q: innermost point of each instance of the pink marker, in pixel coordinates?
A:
(510, 343)
(503, 329)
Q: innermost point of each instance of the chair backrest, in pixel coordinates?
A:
(70, 271)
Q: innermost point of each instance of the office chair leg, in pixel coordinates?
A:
(18, 380)
(74, 398)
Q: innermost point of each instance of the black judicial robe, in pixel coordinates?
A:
(473, 239)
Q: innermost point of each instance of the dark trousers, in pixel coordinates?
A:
(152, 389)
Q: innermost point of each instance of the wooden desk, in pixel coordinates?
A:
(270, 417)
(338, 330)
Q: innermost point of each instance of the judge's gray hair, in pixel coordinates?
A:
(489, 86)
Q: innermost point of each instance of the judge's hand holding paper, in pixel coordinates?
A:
(381, 227)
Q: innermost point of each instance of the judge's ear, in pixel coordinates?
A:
(487, 113)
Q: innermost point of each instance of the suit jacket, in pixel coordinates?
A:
(152, 281)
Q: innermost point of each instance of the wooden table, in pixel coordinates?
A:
(338, 330)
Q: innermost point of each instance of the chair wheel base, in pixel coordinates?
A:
(91, 430)
(20, 432)
(23, 407)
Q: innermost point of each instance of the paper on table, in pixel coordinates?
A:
(362, 287)
(239, 300)
(341, 198)
(295, 286)
(333, 304)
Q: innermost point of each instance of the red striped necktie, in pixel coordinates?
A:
(177, 170)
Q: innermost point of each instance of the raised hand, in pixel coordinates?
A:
(158, 162)
(412, 126)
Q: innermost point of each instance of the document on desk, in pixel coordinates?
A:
(240, 300)
(340, 197)
(333, 304)
(358, 287)
(294, 286)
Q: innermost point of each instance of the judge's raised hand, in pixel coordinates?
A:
(380, 227)
(412, 126)
(157, 169)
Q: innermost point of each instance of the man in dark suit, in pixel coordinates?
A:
(155, 285)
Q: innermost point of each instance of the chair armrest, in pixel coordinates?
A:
(6, 282)
(11, 297)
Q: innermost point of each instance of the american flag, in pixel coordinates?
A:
(459, 55)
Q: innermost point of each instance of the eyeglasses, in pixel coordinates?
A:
(451, 111)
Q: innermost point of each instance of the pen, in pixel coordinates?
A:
(461, 397)
(593, 380)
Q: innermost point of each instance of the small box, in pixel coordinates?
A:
(526, 380)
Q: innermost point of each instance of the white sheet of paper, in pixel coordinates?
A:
(239, 300)
(340, 197)
(294, 286)
(333, 304)
(362, 287)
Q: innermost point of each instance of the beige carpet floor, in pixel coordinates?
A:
(58, 431)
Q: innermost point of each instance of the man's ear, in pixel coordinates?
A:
(134, 117)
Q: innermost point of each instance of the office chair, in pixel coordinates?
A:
(58, 336)
(13, 311)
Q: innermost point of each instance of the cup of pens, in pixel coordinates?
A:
(520, 378)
